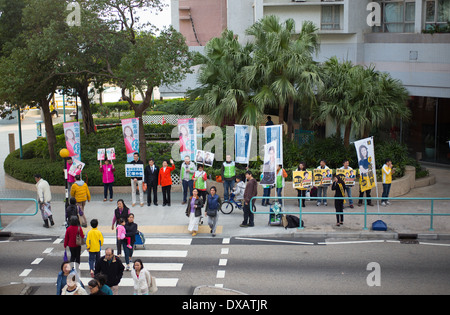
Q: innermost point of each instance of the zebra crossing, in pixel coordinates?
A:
(148, 253)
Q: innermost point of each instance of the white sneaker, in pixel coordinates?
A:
(383, 204)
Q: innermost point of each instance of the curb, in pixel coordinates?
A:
(211, 290)
(15, 289)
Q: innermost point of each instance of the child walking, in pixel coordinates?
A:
(121, 232)
(94, 242)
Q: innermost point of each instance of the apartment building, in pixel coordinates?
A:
(401, 37)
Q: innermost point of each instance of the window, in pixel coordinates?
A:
(331, 17)
(437, 12)
(397, 16)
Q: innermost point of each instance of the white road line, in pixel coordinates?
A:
(58, 241)
(128, 282)
(25, 273)
(150, 253)
(48, 250)
(224, 251)
(434, 244)
(223, 262)
(37, 261)
(226, 241)
(148, 266)
(351, 242)
(220, 274)
(273, 241)
(154, 241)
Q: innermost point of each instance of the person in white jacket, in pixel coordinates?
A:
(141, 278)
(44, 198)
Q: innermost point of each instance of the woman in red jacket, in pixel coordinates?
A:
(165, 180)
(71, 239)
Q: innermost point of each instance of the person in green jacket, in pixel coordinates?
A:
(228, 176)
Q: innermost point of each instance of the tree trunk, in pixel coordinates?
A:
(281, 114)
(88, 120)
(348, 129)
(50, 131)
(290, 121)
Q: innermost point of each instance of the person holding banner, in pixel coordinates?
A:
(322, 189)
(301, 192)
(138, 181)
(348, 188)
(165, 181)
(108, 170)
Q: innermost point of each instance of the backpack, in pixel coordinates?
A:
(292, 222)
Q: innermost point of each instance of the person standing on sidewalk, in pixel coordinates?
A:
(188, 169)
(322, 189)
(251, 190)
(44, 198)
(348, 188)
(165, 180)
(108, 170)
(151, 179)
(136, 181)
(339, 187)
(228, 171)
(80, 191)
(386, 172)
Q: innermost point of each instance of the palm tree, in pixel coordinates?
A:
(283, 71)
(360, 97)
(222, 94)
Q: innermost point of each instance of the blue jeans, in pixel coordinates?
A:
(322, 192)
(349, 194)
(93, 257)
(228, 185)
(279, 195)
(386, 190)
(266, 193)
(187, 184)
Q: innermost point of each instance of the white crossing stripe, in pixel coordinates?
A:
(148, 266)
(150, 253)
(128, 282)
(25, 273)
(154, 241)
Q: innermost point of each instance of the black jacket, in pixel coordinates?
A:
(113, 270)
(151, 178)
(198, 210)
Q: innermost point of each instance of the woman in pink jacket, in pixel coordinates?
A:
(108, 178)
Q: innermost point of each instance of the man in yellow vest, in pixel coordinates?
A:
(386, 172)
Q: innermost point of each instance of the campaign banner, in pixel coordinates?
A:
(130, 128)
(101, 154)
(76, 168)
(134, 170)
(348, 175)
(275, 133)
(187, 130)
(72, 134)
(111, 154)
(302, 179)
(270, 164)
(366, 161)
(242, 142)
(322, 177)
(204, 157)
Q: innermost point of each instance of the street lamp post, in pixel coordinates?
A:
(64, 153)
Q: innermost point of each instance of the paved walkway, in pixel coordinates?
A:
(172, 220)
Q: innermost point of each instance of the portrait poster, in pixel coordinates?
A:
(199, 157)
(275, 133)
(111, 154)
(348, 175)
(322, 177)
(208, 159)
(72, 135)
(130, 128)
(242, 141)
(101, 154)
(270, 164)
(187, 130)
(302, 179)
(76, 168)
(366, 162)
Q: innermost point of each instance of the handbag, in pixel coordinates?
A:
(211, 212)
(79, 240)
(153, 287)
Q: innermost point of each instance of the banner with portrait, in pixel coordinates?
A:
(348, 175)
(270, 164)
(275, 133)
(130, 128)
(72, 135)
(366, 162)
(76, 168)
(242, 142)
(187, 130)
(302, 179)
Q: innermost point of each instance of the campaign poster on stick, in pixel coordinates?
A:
(111, 154)
(302, 179)
(187, 130)
(348, 176)
(270, 164)
(366, 162)
(76, 168)
(101, 154)
(72, 135)
(275, 133)
(242, 141)
(130, 128)
(322, 177)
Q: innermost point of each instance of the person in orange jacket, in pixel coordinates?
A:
(165, 181)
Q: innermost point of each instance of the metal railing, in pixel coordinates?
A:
(19, 214)
(300, 212)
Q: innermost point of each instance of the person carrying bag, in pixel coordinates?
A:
(213, 203)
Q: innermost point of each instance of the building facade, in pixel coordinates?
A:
(405, 38)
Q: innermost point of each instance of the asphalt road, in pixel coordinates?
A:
(257, 266)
